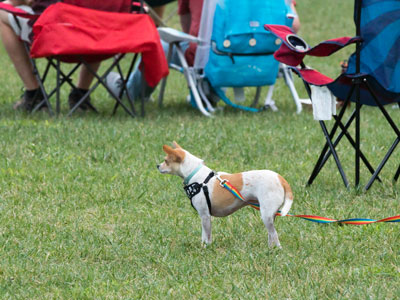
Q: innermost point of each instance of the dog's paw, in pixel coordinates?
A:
(273, 245)
(205, 244)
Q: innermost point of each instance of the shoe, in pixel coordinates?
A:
(75, 96)
(28, 102)
(114, 83)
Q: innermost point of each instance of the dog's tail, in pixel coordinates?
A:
(288, 200)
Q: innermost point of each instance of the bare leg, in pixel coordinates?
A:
(84, 82)
(159, 10)
(296, 21)
(86, 77)
(17, 53)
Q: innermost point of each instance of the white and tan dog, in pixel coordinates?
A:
(267, 188)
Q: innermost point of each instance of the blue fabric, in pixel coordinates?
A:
(238, 29)
(380, 50)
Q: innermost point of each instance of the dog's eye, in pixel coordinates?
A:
(166, 161)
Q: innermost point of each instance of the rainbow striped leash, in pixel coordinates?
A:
(227, 185)
(317, 219)
(355, 221)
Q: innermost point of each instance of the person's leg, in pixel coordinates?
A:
(85, 80)
(296, 22)
(159, 10)
(11, 35)
(86, 77)
(17, 53)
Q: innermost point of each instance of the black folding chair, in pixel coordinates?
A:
(370, 79)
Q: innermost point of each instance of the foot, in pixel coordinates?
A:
(75, 96)
(114, 83)
(30, 100)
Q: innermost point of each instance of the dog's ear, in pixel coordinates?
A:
(167, 149)
(176, 155)
(179, 155)
(176, 145)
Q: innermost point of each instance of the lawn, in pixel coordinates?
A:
(84, 213)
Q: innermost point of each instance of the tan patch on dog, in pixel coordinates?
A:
(221, 197)
(180, 155)
(286, 187)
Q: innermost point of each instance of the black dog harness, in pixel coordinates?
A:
(194, 188)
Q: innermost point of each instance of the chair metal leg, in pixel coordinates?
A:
(321, 161)
(65, 77)
(164, 80)
(142, 95)
(58, 87)
(191, 81)
(256, 96)
(332, 148)
(40, 81)
(62, 78)
(396, 176)
(101, 80)
(395, 143)
(46, 95)
(352, 142)
(125, 81)
(382, 164)
(287, 75)
(357, 144)
(344, 132)
(204, 97)
(268, 100)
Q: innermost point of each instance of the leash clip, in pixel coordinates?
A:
(221, 181)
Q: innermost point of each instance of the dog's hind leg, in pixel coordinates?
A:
(206, 229)
(268, 218)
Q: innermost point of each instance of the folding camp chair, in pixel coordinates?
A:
(371, 78)
(221, 61)
(73, 33)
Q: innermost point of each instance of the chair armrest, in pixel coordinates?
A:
(171, 35)
(312, 76)
(17, 11)
(294, 48)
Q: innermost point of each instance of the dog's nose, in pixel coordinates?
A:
(158, 166)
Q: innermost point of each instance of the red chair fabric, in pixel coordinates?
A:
(70, 32)
(293, 56)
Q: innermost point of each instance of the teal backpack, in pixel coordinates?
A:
(241, 52)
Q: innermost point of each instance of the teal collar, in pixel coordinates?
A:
(187, 179)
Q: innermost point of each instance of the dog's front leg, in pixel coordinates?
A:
(206, 229)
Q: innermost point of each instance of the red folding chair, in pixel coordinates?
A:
(87, 31)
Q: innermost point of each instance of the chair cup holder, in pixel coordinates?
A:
(297, 43)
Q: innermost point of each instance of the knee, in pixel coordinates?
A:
(3, 17)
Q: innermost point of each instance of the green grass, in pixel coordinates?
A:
(84, 213)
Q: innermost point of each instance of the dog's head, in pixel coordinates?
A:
(173, 160)
(178, 161)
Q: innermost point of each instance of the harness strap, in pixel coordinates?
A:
(195, 188)
(205, 190)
